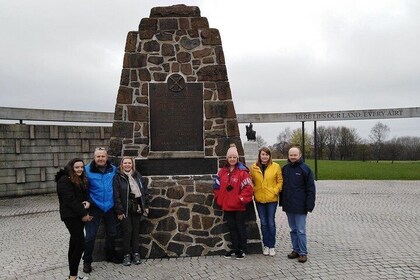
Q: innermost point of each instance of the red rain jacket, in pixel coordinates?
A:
(235, 197)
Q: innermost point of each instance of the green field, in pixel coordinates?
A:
(368, 170)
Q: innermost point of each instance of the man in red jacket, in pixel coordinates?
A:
(232, 192)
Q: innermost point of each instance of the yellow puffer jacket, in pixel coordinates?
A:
(267, 187)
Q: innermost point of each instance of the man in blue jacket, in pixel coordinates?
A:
(297, 199)
(100, 173)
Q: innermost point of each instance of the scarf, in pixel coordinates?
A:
(134, 187)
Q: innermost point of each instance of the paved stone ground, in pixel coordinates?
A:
(359, 230)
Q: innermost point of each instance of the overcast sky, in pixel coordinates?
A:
(281, 55)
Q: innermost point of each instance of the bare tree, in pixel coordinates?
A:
(283, 141)
(409, 147)
(363, 150)
(321, 141)
(261, 142)
(347, 142)
(378, 135)
(296, 140)
(392, 149)
(332, 134)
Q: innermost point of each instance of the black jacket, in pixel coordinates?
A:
(298, 193)
(70, 197)
(122, 196)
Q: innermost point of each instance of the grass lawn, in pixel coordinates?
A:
(368, 170)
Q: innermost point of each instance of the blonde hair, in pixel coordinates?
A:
(132, 161)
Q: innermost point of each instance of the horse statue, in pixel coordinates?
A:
(250, 133)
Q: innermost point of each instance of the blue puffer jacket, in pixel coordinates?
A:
(298, 193)
(100, 185)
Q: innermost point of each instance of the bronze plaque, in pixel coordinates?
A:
(176, 115)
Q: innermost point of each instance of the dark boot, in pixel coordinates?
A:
(302, 259)
(87, 268)
(293, 255)
(127, 260)
(136, 258)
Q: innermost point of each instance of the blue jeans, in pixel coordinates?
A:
(297, 224)
(92, 229)
(267, 214)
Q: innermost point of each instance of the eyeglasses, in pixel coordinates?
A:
(100, 149)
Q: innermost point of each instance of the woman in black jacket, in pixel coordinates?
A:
(73, 198)
(131, 201)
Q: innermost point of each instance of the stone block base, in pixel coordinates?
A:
(251, 152)
(184, 221)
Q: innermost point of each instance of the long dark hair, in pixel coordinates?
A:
(268, 152)
(80, 181)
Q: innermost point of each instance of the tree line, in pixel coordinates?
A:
(343, 143)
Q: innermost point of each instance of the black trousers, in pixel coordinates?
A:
(237, 229)
(130, 233)
(76, 244)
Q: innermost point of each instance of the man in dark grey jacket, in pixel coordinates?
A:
(297, 199)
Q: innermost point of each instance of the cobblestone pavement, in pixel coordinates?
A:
(359, 230)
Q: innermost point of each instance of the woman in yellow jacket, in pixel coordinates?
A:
(267, 180)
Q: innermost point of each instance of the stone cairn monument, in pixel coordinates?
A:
(174, 113)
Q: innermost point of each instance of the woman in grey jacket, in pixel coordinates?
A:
(131, 201)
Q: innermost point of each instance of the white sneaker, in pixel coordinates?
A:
(266, 251)
(272, 252)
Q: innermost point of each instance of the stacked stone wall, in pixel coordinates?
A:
(184, 221)
(174, 40)
(30, 155)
